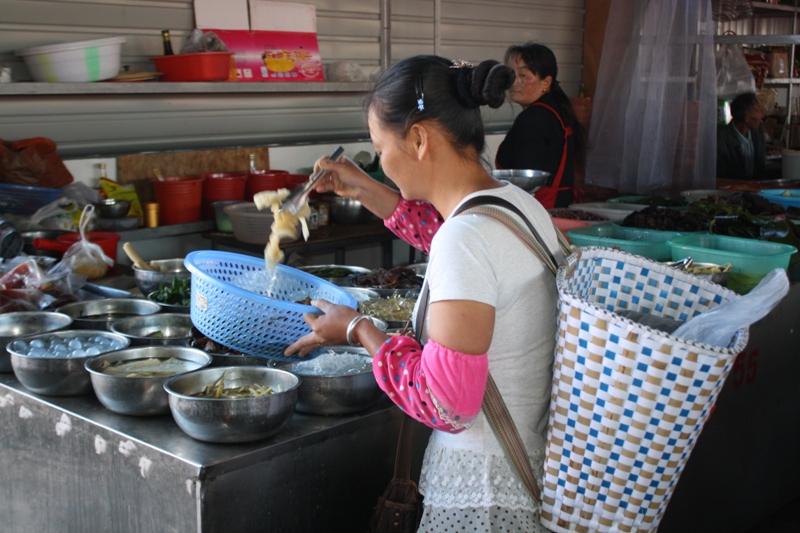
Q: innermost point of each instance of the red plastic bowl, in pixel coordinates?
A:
(201, 66)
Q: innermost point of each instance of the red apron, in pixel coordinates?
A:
(547, 195)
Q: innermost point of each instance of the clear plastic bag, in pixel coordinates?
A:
(718, 325)
(733, 72)
(85, 257)
(25, 286)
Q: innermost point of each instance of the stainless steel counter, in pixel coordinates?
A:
(69, 465)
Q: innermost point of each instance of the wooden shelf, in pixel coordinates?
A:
(156, 87)
(767, 40)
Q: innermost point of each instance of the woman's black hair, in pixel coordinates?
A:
(741, 105)
(450, 93)
(541, 61)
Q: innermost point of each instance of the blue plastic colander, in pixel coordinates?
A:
(237, 303)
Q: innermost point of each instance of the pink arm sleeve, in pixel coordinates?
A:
(440, 387)
(415, 222)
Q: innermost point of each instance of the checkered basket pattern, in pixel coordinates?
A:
(628, 402)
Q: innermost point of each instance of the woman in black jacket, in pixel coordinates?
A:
(546, 135)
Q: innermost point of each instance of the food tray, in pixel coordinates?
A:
(647, 243)
(610, 210)
(751, 259)
(25, 200)
(784, 197)
(251, 225)
(235, 302)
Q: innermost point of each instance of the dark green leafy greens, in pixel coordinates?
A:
(176, 294)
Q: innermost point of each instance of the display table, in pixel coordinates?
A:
(334, 237)
(69, 465)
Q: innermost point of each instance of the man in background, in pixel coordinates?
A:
(741, 145)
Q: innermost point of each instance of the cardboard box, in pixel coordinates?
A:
(279, 43)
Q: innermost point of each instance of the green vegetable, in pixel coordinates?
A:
(176, 294)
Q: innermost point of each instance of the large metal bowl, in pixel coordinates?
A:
(150, 280)
(527, 180)
(335, 394)
(57, 376)
(112, 208)
(361, 295)
(21, 325)
(343, 281)
(232, 420)
(138, 396)
(175, 329)
(99, 314)
(348, 211)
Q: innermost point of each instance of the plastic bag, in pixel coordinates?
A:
(85, 257)
(203, 42)
(733, 72)
(25, 286)
(62, 214)
(33, 162)
(718, 325)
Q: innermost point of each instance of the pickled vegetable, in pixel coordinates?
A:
(394, 307)
(219, 390)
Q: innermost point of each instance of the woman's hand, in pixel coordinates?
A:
(327, 329)
(346, 179)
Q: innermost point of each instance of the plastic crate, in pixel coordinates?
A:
(251, 225)
(751, 259)
(24, 199)
(236, 302)
(783, 197)
(647, 243)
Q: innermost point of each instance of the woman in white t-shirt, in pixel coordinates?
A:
(493, 303)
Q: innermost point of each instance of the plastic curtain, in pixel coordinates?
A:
(653, 127)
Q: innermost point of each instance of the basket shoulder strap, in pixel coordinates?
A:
(531, 238)
(508, 436)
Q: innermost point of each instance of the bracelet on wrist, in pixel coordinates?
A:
(350, 327)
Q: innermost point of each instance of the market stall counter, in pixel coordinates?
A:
(69, 465)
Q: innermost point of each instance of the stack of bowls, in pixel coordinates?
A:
(162, 329)
(99, 314)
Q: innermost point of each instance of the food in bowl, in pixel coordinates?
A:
(58, 346)
(576, 214)
(395, 308)
(149, 367)
(394, 278)
(247, 390)
(177, 293)
(334, 363)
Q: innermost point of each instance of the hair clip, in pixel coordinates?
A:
(460, 63)
(420, 93)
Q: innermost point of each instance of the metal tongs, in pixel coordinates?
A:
(298, 196)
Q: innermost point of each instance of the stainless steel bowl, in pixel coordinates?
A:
(169, 308)
(162, 329)
(342, 281)
(233, 420)
(347, 211)
(138, 396)
(23, 324)
(527, 180)
(99, 314)
(112, 208)
(361, 295)
(57, 376)
(150, 280)
(335, 394)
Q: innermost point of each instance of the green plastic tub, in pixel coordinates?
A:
(751, 259)
(647, 243)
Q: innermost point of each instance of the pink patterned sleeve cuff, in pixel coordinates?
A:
(416, 222)
(440, 387)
